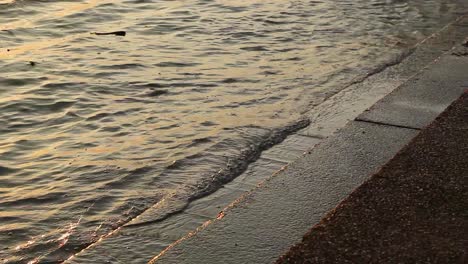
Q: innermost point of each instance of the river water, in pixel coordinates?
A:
(95, 129)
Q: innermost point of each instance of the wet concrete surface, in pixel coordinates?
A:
(272, 217)
(260, 226)
(332, 115)
(412, 211)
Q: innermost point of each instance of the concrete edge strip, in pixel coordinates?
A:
(384, 124)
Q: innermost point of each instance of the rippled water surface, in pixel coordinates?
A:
(95, 129)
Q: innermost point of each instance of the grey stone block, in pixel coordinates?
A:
(421, 99)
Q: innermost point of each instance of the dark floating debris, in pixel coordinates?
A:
(32, 63)
(116, 33)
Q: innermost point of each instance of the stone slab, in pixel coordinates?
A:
(421, 99)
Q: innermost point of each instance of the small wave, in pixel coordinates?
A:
(19, 81)
(63, 85)
(175, 64)
(7, 170)
(149, 85)
(125, 66)
(41, 199)
(214, 178)
(208, 123)
(238, 80)
(255, 48)
(155, 93)
(275, 22)
(199, 141)
(97, 116)
(57, 106)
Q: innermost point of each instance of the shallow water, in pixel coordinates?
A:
(100, 128)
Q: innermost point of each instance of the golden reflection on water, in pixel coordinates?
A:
(240, 116)
(58, 10)
(37, 47)
(269, 88)
(248, 2)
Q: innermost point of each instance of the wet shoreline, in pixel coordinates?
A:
(141, 242)
(98, 119)
(258, 227)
